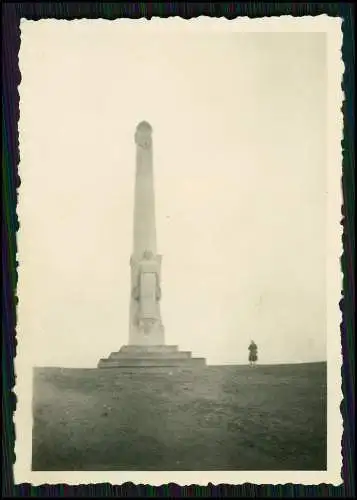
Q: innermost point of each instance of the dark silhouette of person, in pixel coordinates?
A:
(253, 353)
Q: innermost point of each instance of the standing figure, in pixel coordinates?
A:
(253, 353)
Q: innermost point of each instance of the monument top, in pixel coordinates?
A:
(144, 126)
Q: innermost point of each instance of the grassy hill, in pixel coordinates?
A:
(223, 418)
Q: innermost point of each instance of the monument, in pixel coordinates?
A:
(146, 347)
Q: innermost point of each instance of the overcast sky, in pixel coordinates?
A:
(240, 176)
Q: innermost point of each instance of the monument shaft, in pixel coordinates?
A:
(144, 200)
(145, 318)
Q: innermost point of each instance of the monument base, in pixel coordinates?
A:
(152, 356)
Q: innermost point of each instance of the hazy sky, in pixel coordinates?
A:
(239, 137)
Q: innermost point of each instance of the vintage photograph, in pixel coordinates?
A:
(175, 247)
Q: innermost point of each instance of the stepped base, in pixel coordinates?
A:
(161, 356)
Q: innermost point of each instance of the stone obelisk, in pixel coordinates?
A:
(146, 347)
(145, 317)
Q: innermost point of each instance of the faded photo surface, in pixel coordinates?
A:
(179, 249)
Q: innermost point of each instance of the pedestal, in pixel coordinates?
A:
(160, 356)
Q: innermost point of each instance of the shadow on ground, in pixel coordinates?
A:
(223, 418)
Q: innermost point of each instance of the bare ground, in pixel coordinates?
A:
(223, 418)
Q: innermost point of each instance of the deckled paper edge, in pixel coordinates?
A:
(23, 368)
